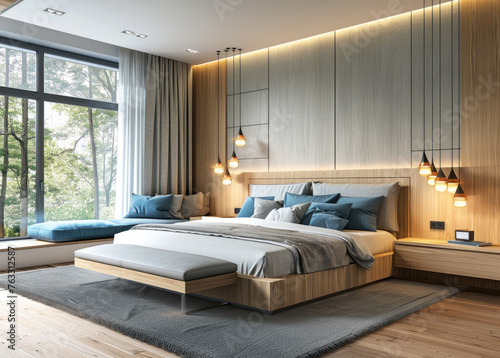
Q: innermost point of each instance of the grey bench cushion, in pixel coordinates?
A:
(176, 265)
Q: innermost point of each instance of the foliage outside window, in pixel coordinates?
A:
(79, 124)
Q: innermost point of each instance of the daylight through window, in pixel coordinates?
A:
(58, 125)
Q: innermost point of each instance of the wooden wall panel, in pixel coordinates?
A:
(480, 99)
(257, 145)
(480, 122)
(205, 149)
(301, 105)
(480, 96)
(446, 84)
(254, 71)
(255, 108)
(233, 100)
(373, 96)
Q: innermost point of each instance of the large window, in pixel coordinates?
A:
(58, 125)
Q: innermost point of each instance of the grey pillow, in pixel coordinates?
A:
(175, 208)
(387, 216)
(279, 190)
(192, 205)
(291, 214)
(206, 203)
(263, 207)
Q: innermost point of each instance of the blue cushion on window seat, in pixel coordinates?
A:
(74, 230)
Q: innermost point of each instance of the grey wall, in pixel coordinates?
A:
(350, 99)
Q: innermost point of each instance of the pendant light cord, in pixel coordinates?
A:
(432, 76)
(459, 90)
(452, 75)
(218, 115)
(440, 101)
(240, 87)
(234, 98)
(423, 92)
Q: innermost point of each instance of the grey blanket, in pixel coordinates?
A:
(312, 252)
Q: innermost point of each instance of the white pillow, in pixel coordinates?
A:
(291, 214)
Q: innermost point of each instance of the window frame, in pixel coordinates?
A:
(40, 97)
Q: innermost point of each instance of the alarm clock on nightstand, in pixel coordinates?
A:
(462, 235)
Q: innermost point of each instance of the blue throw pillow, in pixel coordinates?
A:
(363, 214)
(295, 199)
(246, 210)
(340, 210)
(328, 221)
(153, 207)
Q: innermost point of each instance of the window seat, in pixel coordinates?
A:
(74, 230)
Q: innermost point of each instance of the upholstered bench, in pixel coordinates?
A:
(175, 271)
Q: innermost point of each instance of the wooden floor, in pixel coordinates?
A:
(466, 325)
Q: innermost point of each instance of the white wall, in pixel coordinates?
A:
(21, 31)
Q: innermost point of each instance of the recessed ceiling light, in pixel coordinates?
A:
(133, 33)
(190, 50)
(54, 11)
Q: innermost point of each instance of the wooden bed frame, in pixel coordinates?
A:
(272, 294)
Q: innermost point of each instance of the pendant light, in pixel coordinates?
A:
(431, 179)
(234, 162)
(459, 199)
(441, 184)
(424, 169)
(219, 168)
(240, 140)
(226, 179)
(452, 178)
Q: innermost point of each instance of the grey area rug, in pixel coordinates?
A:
(153, 315)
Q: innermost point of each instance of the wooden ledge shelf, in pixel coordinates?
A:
(32, 252)
(439, 256)
(34, 243)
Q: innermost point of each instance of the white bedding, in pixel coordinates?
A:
(253, 258)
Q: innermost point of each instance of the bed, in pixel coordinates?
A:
(268, 278)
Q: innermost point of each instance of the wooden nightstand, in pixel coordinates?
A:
(439, 256)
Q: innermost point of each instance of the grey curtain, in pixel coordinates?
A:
(168, 127)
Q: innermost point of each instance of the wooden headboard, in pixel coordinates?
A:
(339, 177)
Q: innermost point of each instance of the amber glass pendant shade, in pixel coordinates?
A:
(460, 199)
(233, 162)
(219, 168)
(431, 179)
(226, 179)
(240, 140)
(424, 169)
(441, 184)
(452, 182)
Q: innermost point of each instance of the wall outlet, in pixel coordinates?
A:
(237, 210)
(437, 225)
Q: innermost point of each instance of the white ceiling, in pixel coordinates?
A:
(205, 25)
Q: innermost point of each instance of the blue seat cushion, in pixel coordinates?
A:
(61, 231)
(64, 231)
